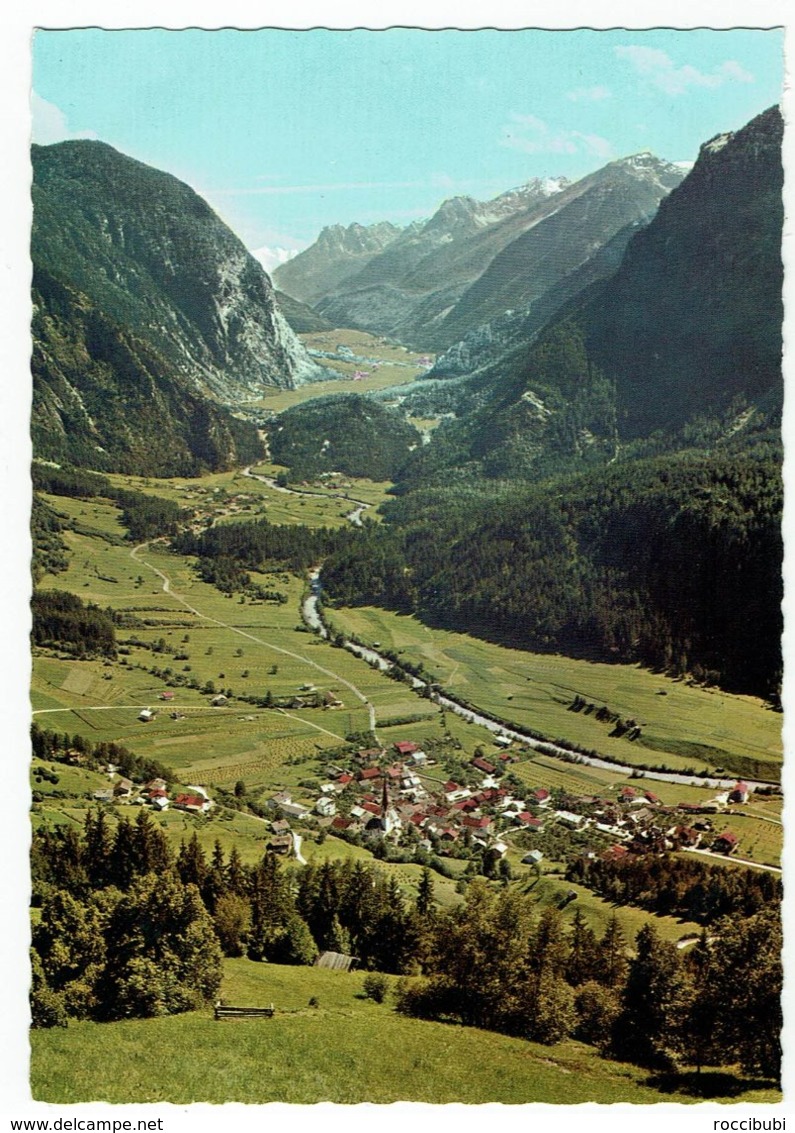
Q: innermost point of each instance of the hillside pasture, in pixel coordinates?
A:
(306, 1054)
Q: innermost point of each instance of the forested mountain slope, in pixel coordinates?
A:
(674, 562)
(103, 398)
(683, 339)
(153, 257)
(615, 492)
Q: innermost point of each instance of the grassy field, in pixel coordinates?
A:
(252, 648)
(396, 366)
(233, 497)
(683, 726)
(291, 1058)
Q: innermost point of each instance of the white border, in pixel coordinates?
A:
(15, 32)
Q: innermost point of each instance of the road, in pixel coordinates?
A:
(355, 516)
(313, 618)
(732, 858)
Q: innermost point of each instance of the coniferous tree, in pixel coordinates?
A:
(191, 863)
(613, 955)
(654, 1001)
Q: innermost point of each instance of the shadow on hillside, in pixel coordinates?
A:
(708, 1084)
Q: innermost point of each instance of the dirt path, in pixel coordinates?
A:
(135, 554)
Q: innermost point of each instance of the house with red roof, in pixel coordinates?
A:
(406, 747)
(483, 765)
(739, 792)
(474, 822)
(726, 843)
(525, 818)
(194, 804)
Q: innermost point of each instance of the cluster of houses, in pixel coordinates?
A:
(155, 794)
(393, 794)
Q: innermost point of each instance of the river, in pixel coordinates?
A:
(354, 516)
(312, 617)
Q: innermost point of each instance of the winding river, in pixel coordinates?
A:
(312, 616)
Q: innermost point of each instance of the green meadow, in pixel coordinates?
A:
(396, 366)
(289, 1058)
(684, 726)
(186, 628)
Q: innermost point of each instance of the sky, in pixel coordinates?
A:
(285, 132)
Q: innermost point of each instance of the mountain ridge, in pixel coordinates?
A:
(436, 280)
(151, 253)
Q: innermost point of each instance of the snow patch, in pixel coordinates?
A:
(715, 145)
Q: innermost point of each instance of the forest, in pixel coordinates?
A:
(64, 620)
(348, 433)
(128, 928)
(672, 561)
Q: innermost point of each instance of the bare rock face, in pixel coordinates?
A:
(151, 254)
(474, 260)
(337, 253)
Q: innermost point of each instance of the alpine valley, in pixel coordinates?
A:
(407, 642)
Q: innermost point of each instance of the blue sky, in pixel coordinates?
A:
(287, 131)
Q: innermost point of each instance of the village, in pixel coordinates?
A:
(390, 794)
(398, 797)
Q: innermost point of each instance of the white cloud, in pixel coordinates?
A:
(528, 134)
(48, 122)
(598, 146)
(589, 94)
(270, 258)
(659, 69)
(442, 181)
(734, 70)
(332, 187)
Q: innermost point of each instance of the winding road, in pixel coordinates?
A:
(355, 516)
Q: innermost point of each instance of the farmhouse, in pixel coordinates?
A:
(726, 843)
(326, 807)
(739, 792)
(194, 804)
(483, 765)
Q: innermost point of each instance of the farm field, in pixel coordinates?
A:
(233, 497)
(683, 726)
(289, 1058)
(262, 647)
(373, 492)
(397, 366)
(212, 642)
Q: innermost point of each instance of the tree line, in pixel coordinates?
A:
(672, 562)
(62, 746)
(226, 552)
(497, 962)
(676, 886)
(127, 927)
(64, 620)
(145, 516)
